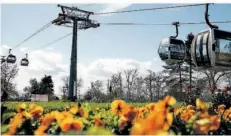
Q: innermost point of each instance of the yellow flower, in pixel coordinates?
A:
(32, 106)
(201, 105)
(168, 121)
(79, 111)
(117, 106)
(169, 100)
(74, 109)
(26, 114)
(21, 107)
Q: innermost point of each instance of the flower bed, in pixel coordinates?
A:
(121, 118)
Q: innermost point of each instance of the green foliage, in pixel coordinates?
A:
(222, 98)
(6, 117)
(4, 128)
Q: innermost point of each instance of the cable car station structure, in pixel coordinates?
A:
(210, 49)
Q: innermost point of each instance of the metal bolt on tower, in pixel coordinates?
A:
(78, 19)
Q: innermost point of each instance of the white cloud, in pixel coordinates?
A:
(23, 49)
(4, 50)
(42, 62)
(112, 7)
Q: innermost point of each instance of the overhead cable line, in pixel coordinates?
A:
(86, 5)
(38, 31)
(170, 24)
(147, 9)
(54, 41)
(157, 24)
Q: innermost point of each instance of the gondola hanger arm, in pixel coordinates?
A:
(176, 24)
(207, 17)
(10, 50)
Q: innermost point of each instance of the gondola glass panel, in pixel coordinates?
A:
(200, 49)
(172, 50)
(223, 49)
(212, 48)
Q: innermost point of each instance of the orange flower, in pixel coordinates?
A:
(151, 106)
(118, 106)
(40, 130)
(203, 125)
(221, 109)
(15, 123)
(154, 124)
(227, 114)
(177, 111)
(129, 113)
(71, 124)
(211, 123)
(47, 120)
(190, 107)
(98, 122)
(36, 111)
(215, 122)
(187, 114)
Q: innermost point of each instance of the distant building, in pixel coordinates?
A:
(40, 97)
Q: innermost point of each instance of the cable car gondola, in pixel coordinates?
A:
(212, 48)
(11, 58)
(172, 50)
(3, 59)
(25, 61)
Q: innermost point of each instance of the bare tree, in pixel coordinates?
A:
(159, 84)
(213, 77)
(8, 74)
(130, 76)
(116, 86)
(65, 85)
(139, 88)
(96, 91)
(149, 84)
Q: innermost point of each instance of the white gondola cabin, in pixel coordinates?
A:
(11, 58)
(172, 50)
(212, 49)
(25, 61)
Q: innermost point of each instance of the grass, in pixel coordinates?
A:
(4, 128)
(59, 105)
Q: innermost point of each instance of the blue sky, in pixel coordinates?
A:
(140, 43)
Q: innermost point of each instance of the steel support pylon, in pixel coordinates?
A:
(73, 69)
